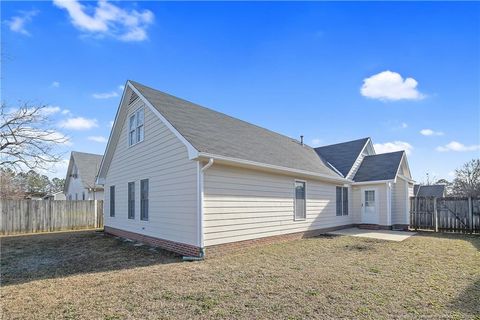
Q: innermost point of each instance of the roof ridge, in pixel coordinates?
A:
(385, 153)
(336, 144)
(95, 154)
(224, 114)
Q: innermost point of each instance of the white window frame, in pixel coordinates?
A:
(295, 200)
(137, 127)
(342, 202)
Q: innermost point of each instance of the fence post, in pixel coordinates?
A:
(470, 213)
(415, 205)
(435, 214)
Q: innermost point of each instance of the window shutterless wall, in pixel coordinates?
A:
(162, 159)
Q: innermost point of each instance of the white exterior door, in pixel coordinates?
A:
(369, 206)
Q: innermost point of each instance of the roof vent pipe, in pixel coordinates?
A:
(301, 140)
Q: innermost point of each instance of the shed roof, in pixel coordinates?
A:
(434, 190)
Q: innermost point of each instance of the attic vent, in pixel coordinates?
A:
(133, 97)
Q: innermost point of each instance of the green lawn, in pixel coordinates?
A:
(85, 275)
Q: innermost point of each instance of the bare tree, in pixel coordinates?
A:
(10, 188)
(26, 141)
(428, 180)
(467, 180)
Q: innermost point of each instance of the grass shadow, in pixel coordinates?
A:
(468, 302)
(43, 256)
(474, 239)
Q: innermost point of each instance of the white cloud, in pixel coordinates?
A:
(404, 125)
(388, 85)
(99, 139)
(55, 84)
(430, 132)
(393, 146)
(107, 19)
(78, 123)
(111, 124)
(66, 112)
(458, 147)
(316, 142)
(49, 110)
(17, 23)
(105, 95)
(121, 87)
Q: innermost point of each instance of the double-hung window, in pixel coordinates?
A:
(342, 201)
(112, 201)
(136, 131)
(300, 202)
(144, 199)
(131, 200)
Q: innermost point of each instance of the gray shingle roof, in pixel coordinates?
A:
(215, 133)
(379, 167)
(88, 165)
(342, 155)
(435, 190)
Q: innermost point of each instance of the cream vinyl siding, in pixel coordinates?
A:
(381, 194)
(399, 201)
(162, 158)
(242, 204)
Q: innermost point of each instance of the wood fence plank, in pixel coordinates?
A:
(448, 214)
(30, 216)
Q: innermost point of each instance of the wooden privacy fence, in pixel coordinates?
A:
(30, 216)
(450, 214)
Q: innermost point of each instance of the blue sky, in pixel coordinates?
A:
(405, 74)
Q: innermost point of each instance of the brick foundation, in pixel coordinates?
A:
(220, 249)
(177, 247)
(403, 227)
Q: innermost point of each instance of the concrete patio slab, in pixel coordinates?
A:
(374, 234)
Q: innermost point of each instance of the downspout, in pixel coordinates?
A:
(200, 211)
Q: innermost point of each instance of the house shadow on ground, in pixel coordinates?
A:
(44, 256)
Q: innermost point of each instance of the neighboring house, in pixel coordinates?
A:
(191, 179)
(34, 195)
(433, 191)
(81, 175)
(55, 196)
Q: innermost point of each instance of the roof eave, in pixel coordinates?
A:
(372, 182)
(269, 167)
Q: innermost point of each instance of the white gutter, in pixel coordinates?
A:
(249, 163)
(372, 182)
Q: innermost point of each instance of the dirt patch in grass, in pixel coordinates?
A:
(89, 276)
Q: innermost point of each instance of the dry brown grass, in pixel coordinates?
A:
(85, 275)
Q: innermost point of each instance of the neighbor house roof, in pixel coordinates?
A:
(87, 165)
(435, 190)
(212, 132)
(342, 155)
(379, 167)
